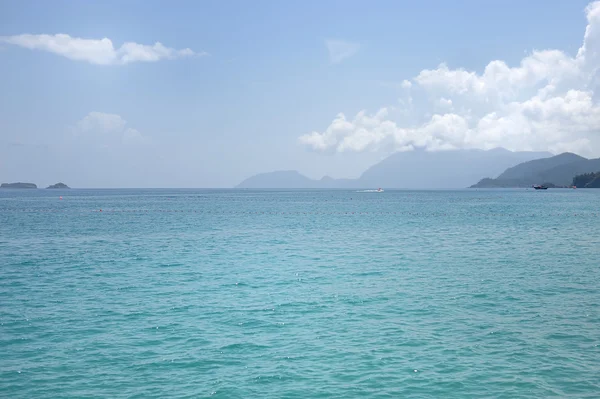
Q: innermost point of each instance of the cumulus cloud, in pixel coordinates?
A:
(339, 50)
(97, 51)
(107, 129)
(445, 103)
(547, 102)
(102, 122)
(132, 135)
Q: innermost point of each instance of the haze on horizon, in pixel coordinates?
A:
(206, 94)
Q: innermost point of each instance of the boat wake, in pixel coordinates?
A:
(370, 191)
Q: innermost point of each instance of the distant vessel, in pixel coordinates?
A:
(540, 187)
(379, 190)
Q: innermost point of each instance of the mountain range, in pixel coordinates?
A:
(558, 170)
(418, 169)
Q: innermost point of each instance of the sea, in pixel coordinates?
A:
(188, 293)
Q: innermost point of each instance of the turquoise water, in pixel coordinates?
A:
(270, 294)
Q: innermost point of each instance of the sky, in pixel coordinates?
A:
(205, 94)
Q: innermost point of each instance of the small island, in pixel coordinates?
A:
(58, 185)
(18, 185)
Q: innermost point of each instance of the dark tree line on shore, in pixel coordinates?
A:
(587, 180)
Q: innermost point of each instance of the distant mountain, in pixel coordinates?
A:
(444, 169)
(533, 169)
(415, 169)
(279, 179)
(558, 170)
(564, 174)
(18, 185)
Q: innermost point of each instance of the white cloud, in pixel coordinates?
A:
(102, 122)
(133, 136)
(547, 102)
(376, 132)
(97, 51)
(107, 128)
(445, 103)
(406, 84)
(339, 50)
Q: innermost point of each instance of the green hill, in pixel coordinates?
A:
(533, 169)
(587, 180)
(558, 170)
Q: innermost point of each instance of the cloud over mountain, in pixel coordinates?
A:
(547, 102)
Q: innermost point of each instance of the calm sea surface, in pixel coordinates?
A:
(300, 294)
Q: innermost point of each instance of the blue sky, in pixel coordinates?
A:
(246, 87)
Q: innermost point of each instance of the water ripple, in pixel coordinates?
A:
(239, 294)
